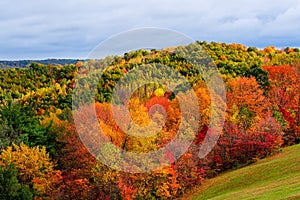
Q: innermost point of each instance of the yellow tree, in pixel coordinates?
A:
(34, 167)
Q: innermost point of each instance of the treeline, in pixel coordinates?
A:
(43, 157)
(26, 63)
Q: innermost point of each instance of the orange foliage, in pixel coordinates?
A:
(285, 88)
(34, 167)
(246, 92)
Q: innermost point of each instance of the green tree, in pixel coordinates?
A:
(19, 124)
(10, 188)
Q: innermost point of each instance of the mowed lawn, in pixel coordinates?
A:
(277, 177)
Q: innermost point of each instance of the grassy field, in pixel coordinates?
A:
(277, 177)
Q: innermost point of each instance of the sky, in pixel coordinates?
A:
(39, 29)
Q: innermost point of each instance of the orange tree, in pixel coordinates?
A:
(35, 169)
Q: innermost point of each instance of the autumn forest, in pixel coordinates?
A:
(43, 156)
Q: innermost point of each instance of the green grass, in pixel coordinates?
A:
(277, 177)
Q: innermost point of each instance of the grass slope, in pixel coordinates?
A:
(277, 177)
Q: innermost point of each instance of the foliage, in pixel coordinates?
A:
(284, 95)
(10, 188)
(35, 168)
(19, 124)
(36, 124)
(246, 102)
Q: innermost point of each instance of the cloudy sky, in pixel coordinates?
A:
(39, 29)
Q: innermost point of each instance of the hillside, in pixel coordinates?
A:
(49, 145)
(276, 177)
(26, 63)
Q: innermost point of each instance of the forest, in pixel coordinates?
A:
(26, 63)
(43, 156)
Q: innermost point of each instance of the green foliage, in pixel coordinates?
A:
(19, 124)
(10, 188)
(279, 116)
(260, 75)
(36, 104)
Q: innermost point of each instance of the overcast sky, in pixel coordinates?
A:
(38, 29)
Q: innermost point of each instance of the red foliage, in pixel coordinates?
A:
(287, 116)
(76, 164)
(163, 103)
(201, 135)
(127, 191)
(235, 148)
(285, 93)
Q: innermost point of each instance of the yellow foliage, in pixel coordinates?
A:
(159, 92)
(34, 166)
(116, 137)
(139, 113)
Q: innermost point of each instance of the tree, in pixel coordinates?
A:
(35, 168)
(246, 102)
(284, 94)
(10, 188)
(77, 165)
(19, 124)
(16, 124)
(284, 90)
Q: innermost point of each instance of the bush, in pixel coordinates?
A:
(10, 188)
(235, 149)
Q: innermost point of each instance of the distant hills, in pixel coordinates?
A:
(25, 63)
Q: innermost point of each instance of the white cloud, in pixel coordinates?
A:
(285, 24)
(71, 28)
